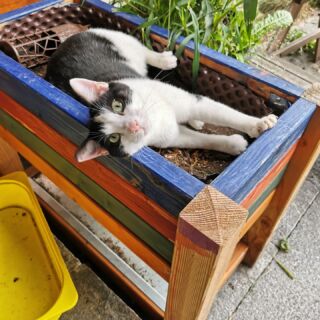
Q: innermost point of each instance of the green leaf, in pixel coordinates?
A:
(183, 44)
(250, 10)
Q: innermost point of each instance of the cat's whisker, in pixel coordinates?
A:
(158, 74)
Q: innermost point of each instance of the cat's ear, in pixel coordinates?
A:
(87, 89)
(90, 149)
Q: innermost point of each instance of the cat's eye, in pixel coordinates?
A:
(117, 106)
(114, 138)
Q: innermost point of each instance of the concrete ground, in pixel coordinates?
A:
(265, 291)
(96, 300)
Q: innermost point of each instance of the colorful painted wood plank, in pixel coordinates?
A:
(300, 165)
(124, 235)
(171, 187)
(253, 196)
(146, 209)
(142, 230)
(219, 58)
(18, 13)
(250, 168)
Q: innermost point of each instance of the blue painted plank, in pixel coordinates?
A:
(229, 62)
(18, 13)
(169, 186)
(241, 177)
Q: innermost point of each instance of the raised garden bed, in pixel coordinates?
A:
(140, 199)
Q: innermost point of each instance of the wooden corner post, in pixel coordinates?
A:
(207, 233)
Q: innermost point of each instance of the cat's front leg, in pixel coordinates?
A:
(190, 139)
(216, 113)
(259, 125)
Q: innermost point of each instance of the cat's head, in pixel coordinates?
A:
(118, 125)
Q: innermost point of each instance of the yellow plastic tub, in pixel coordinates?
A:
(34, 281)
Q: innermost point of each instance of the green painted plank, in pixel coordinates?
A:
(127, 217)
(267, 191)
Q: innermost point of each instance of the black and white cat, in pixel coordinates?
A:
(107, 71)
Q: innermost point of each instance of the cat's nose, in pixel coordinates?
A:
(134, 126)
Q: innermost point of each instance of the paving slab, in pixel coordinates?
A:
(238, 285)
(96, 300)
(241, 292)
(306, 195)
(275, 295)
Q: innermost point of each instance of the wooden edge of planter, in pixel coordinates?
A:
(149, 172)
(270, 180)
(243, 174)
(123, 234)
(306, 153)
(114, 207)
(150, 212)
(18, 13)
(260, 82)
(207, 234)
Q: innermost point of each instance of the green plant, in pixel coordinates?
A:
(315, 3)
(220, 24)
(274, 21)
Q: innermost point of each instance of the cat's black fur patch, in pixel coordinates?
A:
(90, 56)
(117, 91)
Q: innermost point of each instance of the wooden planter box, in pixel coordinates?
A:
(194, 235)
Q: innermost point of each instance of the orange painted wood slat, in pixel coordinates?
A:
(123, 234)
(299, 166)
(145, 208)
(9, 5)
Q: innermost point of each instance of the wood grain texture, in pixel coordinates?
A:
(9, 159)
(15, 9)
(208, 231)
(243, 174)
(305, 155)
(169, 186)
(126, 217)
(237, 257)
(145, 208)
(124, 235)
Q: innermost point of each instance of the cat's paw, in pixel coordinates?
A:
(236, 144)
(196, 124)
(167, 60)
(262, 125)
